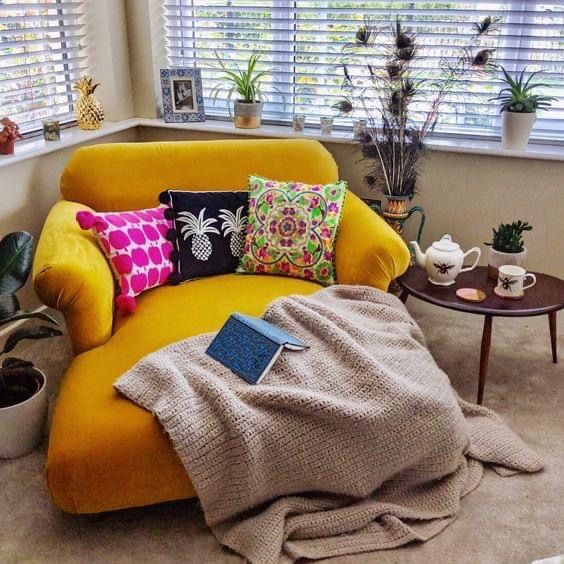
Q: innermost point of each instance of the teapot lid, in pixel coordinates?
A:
(446, 244)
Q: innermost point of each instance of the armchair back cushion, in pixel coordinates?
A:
(126, 176)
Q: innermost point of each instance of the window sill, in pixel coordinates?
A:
(480, 147)
(71, 137)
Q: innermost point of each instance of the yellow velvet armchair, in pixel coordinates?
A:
(106, 453)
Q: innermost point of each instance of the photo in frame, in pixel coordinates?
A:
(182, 95)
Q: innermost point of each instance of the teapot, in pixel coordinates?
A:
(443, 260)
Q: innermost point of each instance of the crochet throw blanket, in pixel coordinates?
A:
(357, 444)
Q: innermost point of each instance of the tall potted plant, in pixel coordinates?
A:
(507, 246)
(246, 85)
(395, 97)
(519, 104)
(23, 394)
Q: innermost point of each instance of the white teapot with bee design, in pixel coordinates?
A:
(443, 260)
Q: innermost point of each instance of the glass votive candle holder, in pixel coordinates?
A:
(298, 123)
(326, 125)
(359, 128)
(51, 130)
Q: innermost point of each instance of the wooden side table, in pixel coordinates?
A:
(545, 298)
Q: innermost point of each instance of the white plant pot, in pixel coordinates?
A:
(516, 129)
(497, 259)
(21, 425)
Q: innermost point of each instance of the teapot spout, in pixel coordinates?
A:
(419, 255)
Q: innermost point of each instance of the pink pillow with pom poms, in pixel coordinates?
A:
(136, 247)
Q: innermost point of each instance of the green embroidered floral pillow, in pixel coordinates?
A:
(292, 228)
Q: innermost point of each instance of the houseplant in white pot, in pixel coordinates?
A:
(519, 105)
(23, 394)
(507, 246)
(246, 85)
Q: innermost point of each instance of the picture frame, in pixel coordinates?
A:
(183, 100)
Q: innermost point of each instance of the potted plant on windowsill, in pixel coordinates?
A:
(23, 393)
(507, 246)
(246, 84)
(9, 134)
(519, 105)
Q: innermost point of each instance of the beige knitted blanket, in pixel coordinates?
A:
(357, 444)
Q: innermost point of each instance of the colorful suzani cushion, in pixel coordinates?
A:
(292, 229)
(136, 247)
(208, 231)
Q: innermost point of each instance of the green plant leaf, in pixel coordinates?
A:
(19, 315)
(12, 362)
(9, 305)
(34, 333)
(16, 254)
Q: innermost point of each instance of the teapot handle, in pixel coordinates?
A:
(476, 250)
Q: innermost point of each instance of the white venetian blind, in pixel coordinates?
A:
(41, 55)
(301, 41)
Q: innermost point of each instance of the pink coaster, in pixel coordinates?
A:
(471, 294)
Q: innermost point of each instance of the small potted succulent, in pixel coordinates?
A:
(507, 246)
(9, 133)
(23, 394)
(246, 84)
(519, 104)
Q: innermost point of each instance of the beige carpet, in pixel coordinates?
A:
(506, 520)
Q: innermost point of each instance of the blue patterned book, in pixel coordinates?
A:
(250, 346)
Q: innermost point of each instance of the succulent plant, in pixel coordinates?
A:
(518, 95)
(508, 237)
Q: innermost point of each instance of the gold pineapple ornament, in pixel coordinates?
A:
(89, 110)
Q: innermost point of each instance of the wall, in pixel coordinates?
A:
(30, 188)
(108, 56)
(466, 195)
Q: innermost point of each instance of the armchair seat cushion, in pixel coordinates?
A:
(105, 452)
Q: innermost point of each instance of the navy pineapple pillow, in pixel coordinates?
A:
(208, 232)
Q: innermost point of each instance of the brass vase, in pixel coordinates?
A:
(395, 213)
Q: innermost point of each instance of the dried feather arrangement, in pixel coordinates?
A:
(400, 102)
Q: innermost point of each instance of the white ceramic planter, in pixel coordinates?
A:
(497, 259)
(247, 115)
(21, 425)
(516, 129)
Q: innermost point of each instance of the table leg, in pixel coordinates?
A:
(484, 356)
(552, 325)
(403, 296)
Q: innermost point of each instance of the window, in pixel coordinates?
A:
(301, 41)
(40, 57)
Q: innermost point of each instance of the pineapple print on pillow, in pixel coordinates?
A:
(292, 229)
(198, 228)
(209, 231)
(235, 226)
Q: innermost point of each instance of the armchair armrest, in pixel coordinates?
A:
(71, 274)
(368, 250)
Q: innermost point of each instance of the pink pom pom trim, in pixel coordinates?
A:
(127, 304)
(87, 220)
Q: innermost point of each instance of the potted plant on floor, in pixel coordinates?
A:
(9, 134)
(402, 105)
(23, 394)
(246, 84)
(519, 105)
(507, 246)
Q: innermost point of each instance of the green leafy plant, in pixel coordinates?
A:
(245, 83)
(18, 378)
(508, 237)
(518, 95)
